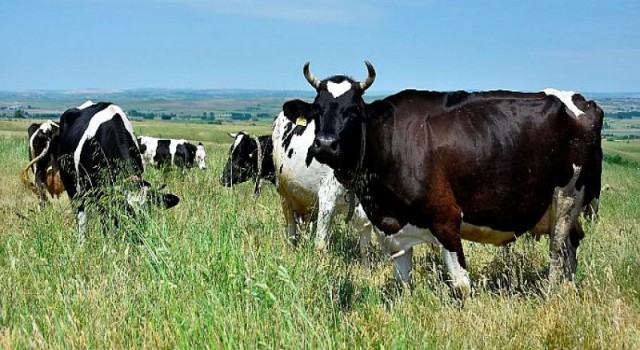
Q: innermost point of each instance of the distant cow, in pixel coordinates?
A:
(43, 140)
(98, 155)
(308, 190)
(162, 152)
(249, 157)
(483, 166)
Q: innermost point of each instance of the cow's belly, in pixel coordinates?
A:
(484, 234)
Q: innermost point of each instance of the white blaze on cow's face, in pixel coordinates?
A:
(200, 155)
(338, 89)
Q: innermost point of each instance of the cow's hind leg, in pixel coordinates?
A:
(565, 236)
(41, 187)
(364, 228)
(82, 225)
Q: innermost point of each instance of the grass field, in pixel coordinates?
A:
(216, 272)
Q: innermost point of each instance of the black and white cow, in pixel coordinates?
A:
(163, 152)
(43, 140)
(446, 166)
(98, 155)
(249, 158)
(308, 190)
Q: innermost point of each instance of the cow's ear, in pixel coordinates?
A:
(297, 110)
(233, 135)
(170, 200)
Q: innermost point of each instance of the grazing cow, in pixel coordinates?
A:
(43, 139)
(98, 155)
(249, 157)
(162, 152)
(485, 166)
(308, 190)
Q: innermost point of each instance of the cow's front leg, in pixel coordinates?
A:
(447, 229)
(327, 199)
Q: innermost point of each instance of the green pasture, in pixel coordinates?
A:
(216, 272)
(626, 149)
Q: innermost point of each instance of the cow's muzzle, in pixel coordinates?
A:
(325, 149)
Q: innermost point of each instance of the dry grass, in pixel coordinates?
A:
(216, 272)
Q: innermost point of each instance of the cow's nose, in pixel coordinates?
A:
(326, 144)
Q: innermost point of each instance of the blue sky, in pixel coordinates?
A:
(588, 46)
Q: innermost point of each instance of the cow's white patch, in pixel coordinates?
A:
(200, 155)
(95, 122)
(88, 103)
(339, 89)
(173, 146)
(151, 144)
(404, 240)
(237, 141)
(459, 276)
(137, 199)
(565, 97)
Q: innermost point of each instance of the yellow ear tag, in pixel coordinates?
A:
(250, 155)
(302, 121)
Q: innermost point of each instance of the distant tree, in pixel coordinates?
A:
(18, 114)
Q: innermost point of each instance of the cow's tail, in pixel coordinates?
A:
(24, 175)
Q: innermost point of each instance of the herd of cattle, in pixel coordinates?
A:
(414, 167)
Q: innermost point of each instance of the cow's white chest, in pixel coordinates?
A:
(307, 183)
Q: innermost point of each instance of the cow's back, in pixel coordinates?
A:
(96, 144)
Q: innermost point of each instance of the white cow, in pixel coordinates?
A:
(310, 192)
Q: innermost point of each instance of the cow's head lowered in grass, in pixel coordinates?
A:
(337, 111)
(250, 157)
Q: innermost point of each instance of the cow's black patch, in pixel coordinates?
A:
(286, 140)
(290, 153)
(309, 159)
(280, 170)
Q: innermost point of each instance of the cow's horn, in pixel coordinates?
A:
(372, 76)
(315, 82)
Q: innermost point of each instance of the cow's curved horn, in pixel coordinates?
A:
(372, 76)
(315, 82)
(24, 174)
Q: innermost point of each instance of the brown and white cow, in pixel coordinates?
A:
(43, 138)
(446, 166)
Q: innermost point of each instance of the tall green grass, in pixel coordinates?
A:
(216, 271)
